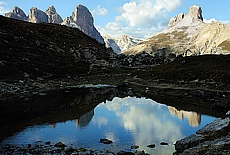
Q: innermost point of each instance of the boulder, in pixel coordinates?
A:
(216, 126)
(60, 144)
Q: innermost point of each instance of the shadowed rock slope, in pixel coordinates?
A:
(30, 50)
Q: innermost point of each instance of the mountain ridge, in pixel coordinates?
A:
(186, 35)
(77, 20)
(122, 43)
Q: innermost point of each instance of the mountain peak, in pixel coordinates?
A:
(122, 43)
(196, 12)
(194, 15)
(17, 13)
(53, 16)
(51, 10)
(83, 19)
(37, 16)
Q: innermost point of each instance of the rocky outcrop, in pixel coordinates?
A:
(69, 22)
(175, 20)
(195, 12)
(214, 138)
(84, 20)
(17, 13)
(37, 16)
(121, 44)
(53, 16)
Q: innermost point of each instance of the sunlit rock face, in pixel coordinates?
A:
(122, 43)
(195, 12)
(81, 18)
(175, 20)
(194, 119)
(53, 16)
(17, 13)
(187, 34)
(84, 21)
(37, 16)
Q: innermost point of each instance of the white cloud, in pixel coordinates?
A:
(100, 11)
(225, 21)
(214, 20)
(3, 9)
(210, 20)
(140, 18)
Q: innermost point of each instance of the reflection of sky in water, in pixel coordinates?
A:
(128, 121)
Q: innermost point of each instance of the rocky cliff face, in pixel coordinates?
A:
(83, 19)
(37, 16)
(17, 13)
(53, 16)
(175, 20)
(194, 14)
(121, 44)
(186, 35)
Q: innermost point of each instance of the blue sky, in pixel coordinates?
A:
(138, 18)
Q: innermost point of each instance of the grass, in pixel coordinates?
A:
(44, 49)
(214, 68)
(225, 45)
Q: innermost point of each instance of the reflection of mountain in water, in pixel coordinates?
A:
(193, 117)
(85, 119)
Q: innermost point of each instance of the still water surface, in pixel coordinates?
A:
(126, 121)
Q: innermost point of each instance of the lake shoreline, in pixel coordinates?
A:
(129, 84)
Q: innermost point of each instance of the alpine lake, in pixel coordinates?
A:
(89, 113)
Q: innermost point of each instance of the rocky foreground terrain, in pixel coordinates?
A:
(40, 59)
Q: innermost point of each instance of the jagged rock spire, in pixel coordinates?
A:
(83, 19)
(53, 16)
(17, 13)
(195, 12)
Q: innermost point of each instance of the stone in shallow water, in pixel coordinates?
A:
(134, 147)
(60, 144)
(151, 146)
(164, 143)
(106, 141)
(125, 153)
